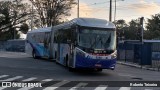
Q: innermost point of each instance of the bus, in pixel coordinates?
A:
(38, 43)
(82, 43)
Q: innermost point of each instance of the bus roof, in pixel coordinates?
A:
(46, 29)
(87, 22)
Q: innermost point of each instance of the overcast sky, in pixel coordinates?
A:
(127, 9)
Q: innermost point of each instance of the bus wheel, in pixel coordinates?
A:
(34, 55)
(66, 61)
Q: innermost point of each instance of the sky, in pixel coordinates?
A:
(126, 9)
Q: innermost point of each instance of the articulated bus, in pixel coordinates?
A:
(83, 43)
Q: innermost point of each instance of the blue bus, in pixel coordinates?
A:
(83, 43)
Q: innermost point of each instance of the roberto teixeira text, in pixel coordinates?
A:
(17, 84)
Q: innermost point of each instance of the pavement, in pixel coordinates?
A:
(21, 67)
(147, 67)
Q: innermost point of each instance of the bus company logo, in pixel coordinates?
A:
(6, 84)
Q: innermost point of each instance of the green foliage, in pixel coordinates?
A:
(153, 27)
(24, 28)
(129, 31)
(121, 27)
(12, 15)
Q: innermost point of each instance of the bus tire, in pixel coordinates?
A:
(66, 61)
(34, 54)
(55, 55)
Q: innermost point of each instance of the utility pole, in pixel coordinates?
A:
(142, 29)
(78, 10)
(110, 12)
(115, 10)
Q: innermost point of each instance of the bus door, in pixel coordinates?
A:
(58, 52)
(46, 44)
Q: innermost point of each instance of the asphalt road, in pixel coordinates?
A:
(22, 67)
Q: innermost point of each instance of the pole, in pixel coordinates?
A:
(115, 10)
(78, 10)
(110, 13)
(142, 30)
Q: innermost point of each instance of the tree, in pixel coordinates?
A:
(50, 12)
(12, 14)
(134, 30)
(24, 28)
(153, 27)
(121, 28)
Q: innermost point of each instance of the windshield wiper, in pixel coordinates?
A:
(107, 41)
(93, 42)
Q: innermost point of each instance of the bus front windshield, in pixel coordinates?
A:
(97, 39)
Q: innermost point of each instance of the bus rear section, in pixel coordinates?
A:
(38, 43)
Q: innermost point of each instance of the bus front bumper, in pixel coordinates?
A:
(82, 62)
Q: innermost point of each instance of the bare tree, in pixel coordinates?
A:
(51, 12)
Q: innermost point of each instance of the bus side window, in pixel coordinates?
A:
(56, 36)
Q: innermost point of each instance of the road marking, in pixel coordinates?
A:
(2, 76)
(125, 88)
(55, 86)
(11, 79)
(45, 80)
(29, 79)
(27, 88)
(101, 87)
(78, 86)
(125, 75)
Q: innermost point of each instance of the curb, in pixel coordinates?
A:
(137, 66)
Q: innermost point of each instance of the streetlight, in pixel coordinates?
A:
(115, 10)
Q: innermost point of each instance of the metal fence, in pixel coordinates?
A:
(13, 45)
(135, 52)
(3, 45)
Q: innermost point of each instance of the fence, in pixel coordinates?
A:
(2, 45)
(147, 53)
(13, 45)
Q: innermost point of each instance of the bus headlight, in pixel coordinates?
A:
(113, 56)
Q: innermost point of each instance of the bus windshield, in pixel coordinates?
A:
(97, 39)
